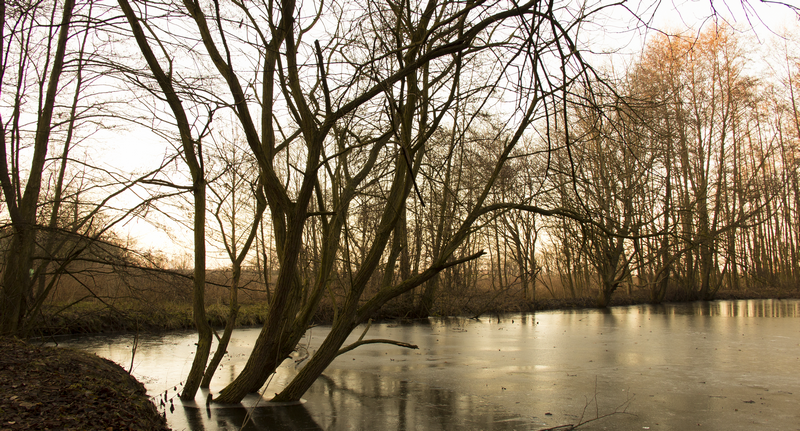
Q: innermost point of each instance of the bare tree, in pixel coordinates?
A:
(191, 145)
(702, 105)
(349, 121)
(59, 201)
(21, 205)
(234, 212)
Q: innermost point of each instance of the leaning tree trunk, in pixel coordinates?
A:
(222, 346)
(199, 304)
(277, 338)
(326, 353)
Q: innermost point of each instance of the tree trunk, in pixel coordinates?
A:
(199, 303)
(279, 335)
(222, 347)
(17, 277)
(326, 353)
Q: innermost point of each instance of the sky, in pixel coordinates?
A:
(619, 35)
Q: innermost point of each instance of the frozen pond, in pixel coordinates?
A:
(725, 365)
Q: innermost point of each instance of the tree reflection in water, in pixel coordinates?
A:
(353, 400)
(264, 416)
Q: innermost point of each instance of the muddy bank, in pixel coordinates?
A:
(45, 388)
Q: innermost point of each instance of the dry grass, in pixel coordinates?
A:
(97, 301)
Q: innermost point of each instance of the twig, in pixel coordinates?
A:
(620, 409)
(250, 411)
(135, 345)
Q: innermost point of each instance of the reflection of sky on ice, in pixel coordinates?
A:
(680, 365)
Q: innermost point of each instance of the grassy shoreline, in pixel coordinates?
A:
(88, 318)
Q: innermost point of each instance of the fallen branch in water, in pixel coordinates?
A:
(375, 341)
(361, 341)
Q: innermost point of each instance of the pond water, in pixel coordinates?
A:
(724, 365)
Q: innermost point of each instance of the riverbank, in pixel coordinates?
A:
(662, 358)
(88, 318)
(93, 317)
(46, 388)
(623, 299)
